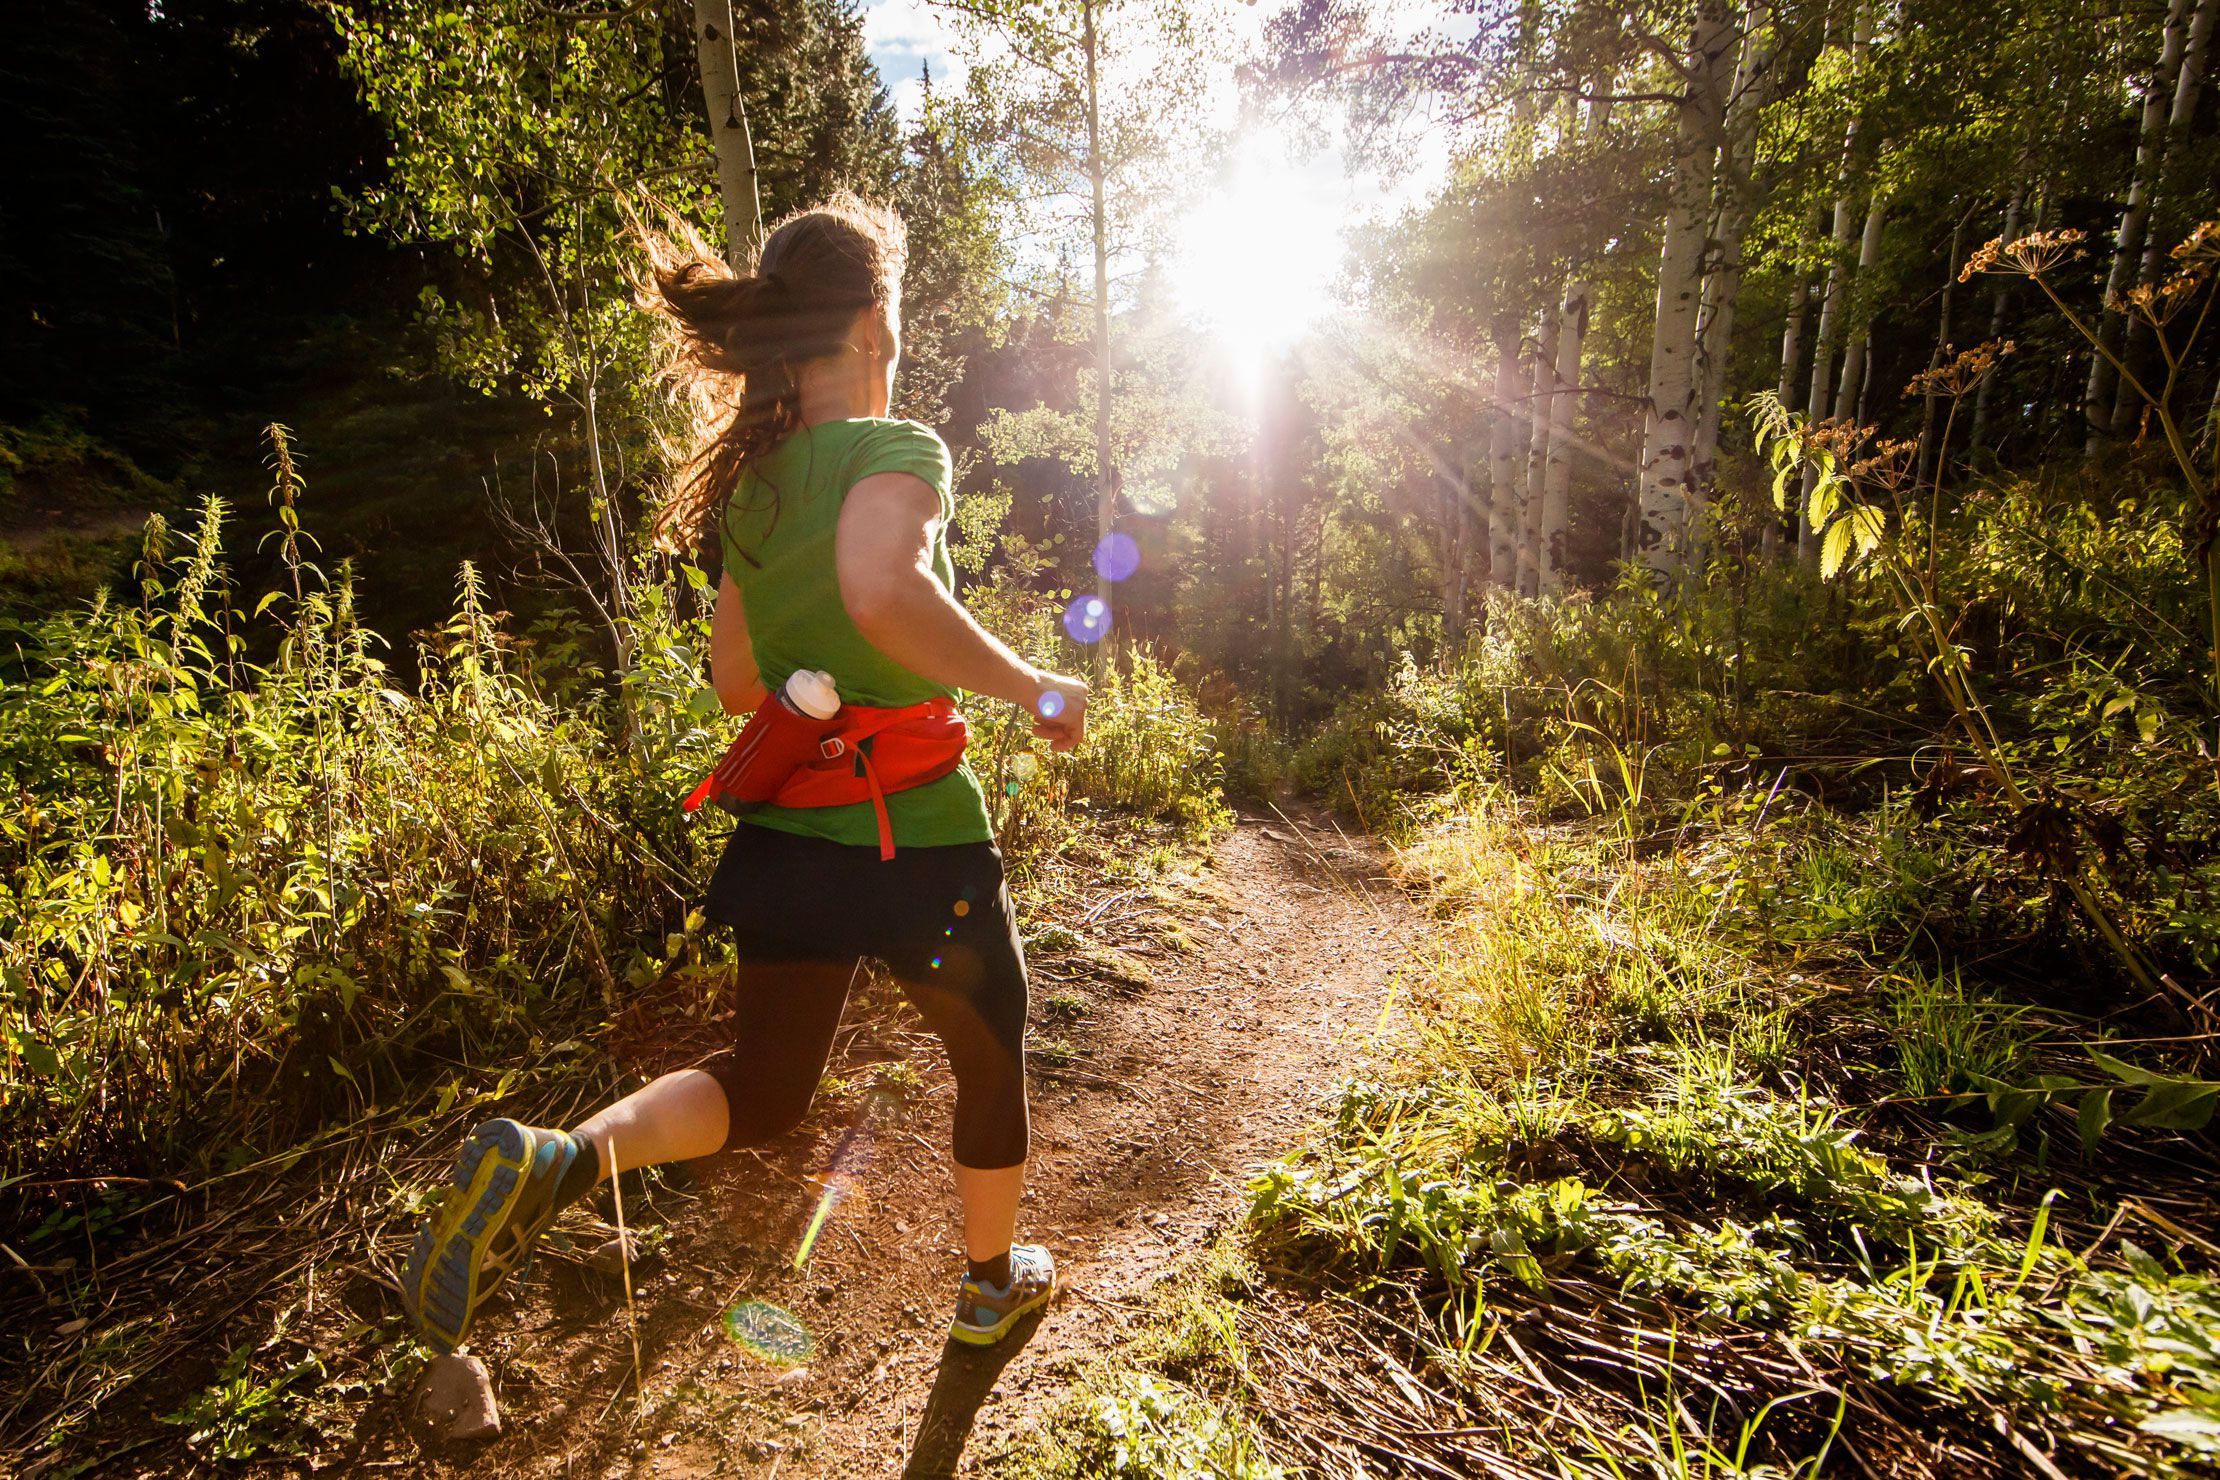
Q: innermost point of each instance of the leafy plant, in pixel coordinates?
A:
(245, 1414)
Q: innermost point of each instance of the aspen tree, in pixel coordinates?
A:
(2127, 247)
(728, 130)
(1505, 486)
(1666, 497)
(1735, 206)
(2188, 83)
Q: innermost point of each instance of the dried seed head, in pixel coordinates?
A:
(1963, 372)
(2029, 255)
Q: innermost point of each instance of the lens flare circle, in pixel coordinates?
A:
(777, 1336)
(1087, 619)
(1117, 557)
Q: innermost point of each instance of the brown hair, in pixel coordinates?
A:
(738, 342)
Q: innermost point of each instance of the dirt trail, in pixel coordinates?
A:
(1154, 1089)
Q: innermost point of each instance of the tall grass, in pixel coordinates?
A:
(252, 885)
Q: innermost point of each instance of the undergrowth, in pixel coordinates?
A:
(262, 901)
(1791, 1082)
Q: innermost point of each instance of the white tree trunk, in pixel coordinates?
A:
(1572, 330)
(728, 130)
(1850, 391)
(1542, 415)
(1504, 482)
(2127, 247)
(1106, 473)
(1737, 203)
(1819, 403)
(1788, 389)
(1454, 523)
(2188, 83)
(1668, 441)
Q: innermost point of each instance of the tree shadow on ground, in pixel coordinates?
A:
(967, 1375)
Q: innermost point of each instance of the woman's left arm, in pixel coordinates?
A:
(732, 670)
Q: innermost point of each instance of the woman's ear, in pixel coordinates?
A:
(869, 335)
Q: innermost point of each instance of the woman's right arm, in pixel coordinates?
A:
(883, 551)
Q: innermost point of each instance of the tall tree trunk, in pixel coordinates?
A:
(1542, 415)
(1106, 475)
(1283, 618)
(1820, 403)
(2000, 303)
(1453, 526)
(1668, 441)
(728, 130)
(2188, 83)
(1850, 391)
(1736, 204)
(1504, 483)
(1788, 389)
(2127, 247)
(1572, 331)
(1927, 448)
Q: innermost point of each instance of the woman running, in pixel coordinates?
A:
(834, 526)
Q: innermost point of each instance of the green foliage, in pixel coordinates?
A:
(253, 887)
(1151, 751)
(235, 831)
(1154, 1404)
(1148, 1426)
(245, 1415)
(1690, 1184)
(1947, 1045)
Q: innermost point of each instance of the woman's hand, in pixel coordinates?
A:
(1059, 710)
(883, 551)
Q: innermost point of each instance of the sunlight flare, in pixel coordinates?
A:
(1256, 258)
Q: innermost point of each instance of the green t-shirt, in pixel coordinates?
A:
(778, 542)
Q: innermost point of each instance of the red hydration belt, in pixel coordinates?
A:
(859, 755)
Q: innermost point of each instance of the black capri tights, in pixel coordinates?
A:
(806, 910)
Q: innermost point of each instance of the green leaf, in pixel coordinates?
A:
(1867, 526)
(2014, 1107)
(2124, 1071)
(1822, 504)
(2095, 1114)
(1834, 549)
(2175, 1105)
(38, 1057)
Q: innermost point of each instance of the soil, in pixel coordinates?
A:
(1182, 1037)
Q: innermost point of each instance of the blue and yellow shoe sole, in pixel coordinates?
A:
(498, 1199)
(992, 1335)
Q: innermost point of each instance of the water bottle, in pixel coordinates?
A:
(811, 692)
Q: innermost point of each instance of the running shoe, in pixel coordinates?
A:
(500, 1198)
(984, 1315)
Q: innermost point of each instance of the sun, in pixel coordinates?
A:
(1255, 259)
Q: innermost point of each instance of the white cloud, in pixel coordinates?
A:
(904, 38)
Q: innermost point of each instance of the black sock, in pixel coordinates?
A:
(994, 1272)
(580, 1176)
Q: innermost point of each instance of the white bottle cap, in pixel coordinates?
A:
(812, 692)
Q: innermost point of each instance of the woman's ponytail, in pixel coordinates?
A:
(738, 342)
